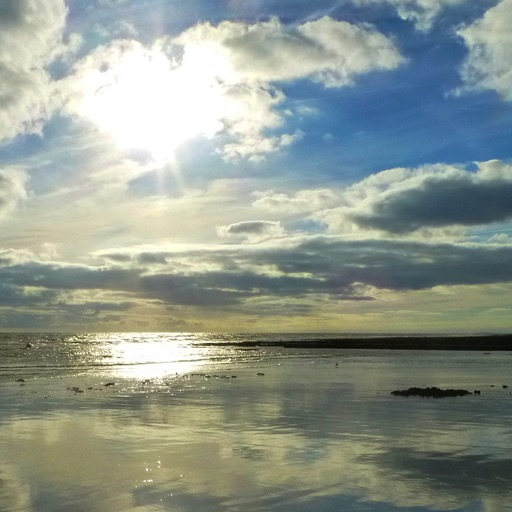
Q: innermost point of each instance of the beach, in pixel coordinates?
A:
(227, 428)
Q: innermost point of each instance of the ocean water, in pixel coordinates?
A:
(181, 422)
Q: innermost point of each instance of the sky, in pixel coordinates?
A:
(256, 165)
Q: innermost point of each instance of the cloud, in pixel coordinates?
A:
(439, 197)
(401, 200)
(330, 52)
(489, 41)
(337, 264)
(219, 81)
(501, 238)
(422, 12)
(253, 230)
(305, 268)
(11, 257)
(30, 38)
(442, 471)
(301, 201)
(12, 189)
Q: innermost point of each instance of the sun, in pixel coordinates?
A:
(137, 97)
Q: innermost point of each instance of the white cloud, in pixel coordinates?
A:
(11, 257)
(30, 37)
(247, 61)
(118, 29)
(422, 13)
(12, 189)
(301, 201)
(219, 81)
(489, 40)
(501, 238)
(328, 51)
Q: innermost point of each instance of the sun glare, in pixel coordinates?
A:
(154, 359)
(142, 102)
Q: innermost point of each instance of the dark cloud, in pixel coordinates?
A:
(15, 296)
(255, 226)
(68, 277)
(395, 265)
(46, 308)
(403, 200)
(328, 267)
(10, 12)
(440, 202)
(251, 228)
(17, 13)
(190, 290)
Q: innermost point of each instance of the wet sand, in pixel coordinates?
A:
(278, 430)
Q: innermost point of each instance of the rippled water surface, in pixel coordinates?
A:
(145, 422)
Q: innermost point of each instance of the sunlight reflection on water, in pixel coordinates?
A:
(154, 359)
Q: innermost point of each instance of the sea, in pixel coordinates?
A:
(114, 422)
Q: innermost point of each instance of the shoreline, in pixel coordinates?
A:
(492, 343)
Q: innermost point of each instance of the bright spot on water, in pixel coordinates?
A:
(155, 358)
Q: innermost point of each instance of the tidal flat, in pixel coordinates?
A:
(153, 427)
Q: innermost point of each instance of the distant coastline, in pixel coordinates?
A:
(485, 343)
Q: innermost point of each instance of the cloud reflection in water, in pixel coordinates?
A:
(302, 437)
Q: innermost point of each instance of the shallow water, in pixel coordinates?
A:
(193, 428)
